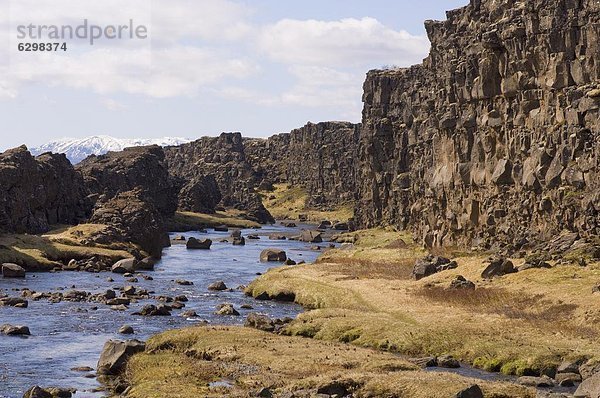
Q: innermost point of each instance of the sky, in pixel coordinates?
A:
(204, 66)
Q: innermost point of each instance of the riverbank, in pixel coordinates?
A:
(363, 296)
(242, 362)
(524, 323)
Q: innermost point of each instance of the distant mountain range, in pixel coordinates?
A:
(78, 149)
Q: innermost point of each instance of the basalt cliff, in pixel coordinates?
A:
(494, 139)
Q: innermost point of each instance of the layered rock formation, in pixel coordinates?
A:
(319, 157)
(494, 139)
(214, 170)
(38, 192)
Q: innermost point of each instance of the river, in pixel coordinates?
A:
(71, 334)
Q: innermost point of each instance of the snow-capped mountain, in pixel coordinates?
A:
(78, 149)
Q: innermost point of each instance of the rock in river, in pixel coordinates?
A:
(311, 237)
(126, 329)
(115, 355)
(217, 286)
(37, 392)
(124, 266)
(226, 309)
(196, 244)
(273, 255)
(10, 270)
(11, 330)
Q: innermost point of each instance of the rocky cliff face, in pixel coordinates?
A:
(214, 170)
(141, 168)
(494, 139)
(320, 157)
(38, 192)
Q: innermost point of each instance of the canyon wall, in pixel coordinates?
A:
(319, 157)
(38, 192)
(494, 139)
(213, 171)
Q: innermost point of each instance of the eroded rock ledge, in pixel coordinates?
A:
(493, 140)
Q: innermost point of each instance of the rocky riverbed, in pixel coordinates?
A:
(70, 321)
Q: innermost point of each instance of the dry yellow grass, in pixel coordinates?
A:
(59, 245)
(287, 203)
(186, 220)
(183, 363)
(520, 323)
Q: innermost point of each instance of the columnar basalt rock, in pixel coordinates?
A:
(214, 170)
(38, 192)
(319, 157)
(494, 139)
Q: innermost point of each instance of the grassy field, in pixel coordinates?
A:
(523, 323)
(183, 363)
(57, 246)
(185, 220)
(288, 203)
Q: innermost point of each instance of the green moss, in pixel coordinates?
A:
(488, 364)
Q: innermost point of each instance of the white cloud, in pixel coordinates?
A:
(169, 72)
(347, 42)
(313, 86)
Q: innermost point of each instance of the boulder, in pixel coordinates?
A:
(126, 329)
(533, 265)
(221, 228)
(146, 264)
(274, 255)
(532, 381)
(430, 265)
(217, 286)
(195, 244)
(498, 267)
(311, 237)
(184, 282)
(124, 266)
(277, 237)
(226, 309)
(260, 322)
(37, 392)
(153, 310)
(115, 355)
(14, 302)
(460, 282)
(589, 388)
(567, 379)
(473, 391)
(11, 330)
(447, 361)
(240, 241)
(10, 270)
(236, 233)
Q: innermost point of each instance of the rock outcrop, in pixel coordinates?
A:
(494, 139)
(38, 192)
(213, 171)
(139, 168)
(132, 219)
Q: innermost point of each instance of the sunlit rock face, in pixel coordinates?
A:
(494, 139)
